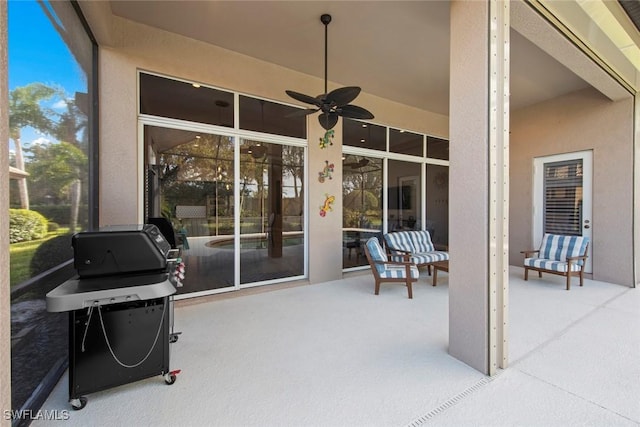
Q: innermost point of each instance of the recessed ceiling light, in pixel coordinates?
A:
(196, 85)
(362, 140)
(364, 125)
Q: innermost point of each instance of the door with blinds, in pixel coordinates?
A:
(562, 197)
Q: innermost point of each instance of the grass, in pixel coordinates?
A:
(20, 255)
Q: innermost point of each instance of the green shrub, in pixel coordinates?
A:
(51, 253)
(61, 213)
(52, 227)
(26, 225)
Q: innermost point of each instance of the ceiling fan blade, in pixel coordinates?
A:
(304, 98)
(342, 96)
(328, 120)
(303, 112)
(354, 112)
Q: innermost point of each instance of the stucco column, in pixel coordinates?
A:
(636, 190)
(5, 294)
(478, 186)
(325, 228)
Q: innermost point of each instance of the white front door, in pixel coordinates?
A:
(562, 197)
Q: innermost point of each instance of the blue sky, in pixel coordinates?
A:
(37, 53)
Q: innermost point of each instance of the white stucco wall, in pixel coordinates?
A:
(583, 120)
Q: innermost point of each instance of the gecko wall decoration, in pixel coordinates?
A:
(327, 206)
(326, 171)
(327, 139)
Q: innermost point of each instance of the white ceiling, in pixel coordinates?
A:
(397, 50)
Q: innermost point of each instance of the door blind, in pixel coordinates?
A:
(563, 197)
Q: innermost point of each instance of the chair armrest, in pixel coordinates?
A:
(391, 248)
(405, 254)
(575, 258)
(529, 252)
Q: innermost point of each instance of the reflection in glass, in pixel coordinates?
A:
(176, 99)
(404, 142)
(190, 182)
(364, 135)
(51, 137)
(271, 211)
(270, 117)
(437, 148)
(362, 182)
(405, 196)
(437, 222)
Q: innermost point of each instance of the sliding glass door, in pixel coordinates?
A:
(190, 181)
(271, 211)
(362, 187)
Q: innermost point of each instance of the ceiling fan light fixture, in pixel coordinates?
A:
(332, 104)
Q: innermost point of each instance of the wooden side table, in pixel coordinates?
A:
(439, 265)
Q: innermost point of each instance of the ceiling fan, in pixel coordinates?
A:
(257, 151)
(359, 164)
(335, 103)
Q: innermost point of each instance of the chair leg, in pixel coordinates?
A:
(377, 286)
(540, 274)
(409, 289)
(526, 273)
(581, 277)
(568, 280)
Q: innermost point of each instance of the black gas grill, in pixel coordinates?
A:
(119, 307)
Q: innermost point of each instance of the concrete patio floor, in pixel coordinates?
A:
(334, 354)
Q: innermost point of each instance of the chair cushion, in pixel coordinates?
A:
(559, 266)
(415, 241)
(375, 250)
(421, 240)
(557, 247)
(400, 240)
(398, 272)
(377, 254)
(425, 258)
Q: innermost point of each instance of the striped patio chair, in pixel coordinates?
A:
(417, 244)
(558, 254)
(389, 271)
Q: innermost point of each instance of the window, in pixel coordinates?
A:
(52, 139)
(437, 148)
(186, 101)
(391, 189)
(270, 117)
(563, 197)
(404, 142)
(364, 135)
(235, 196)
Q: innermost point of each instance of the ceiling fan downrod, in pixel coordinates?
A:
(326, 19)
(334, 104)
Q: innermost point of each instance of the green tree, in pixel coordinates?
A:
(54, 168)
(25, 109)
(69, 125)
